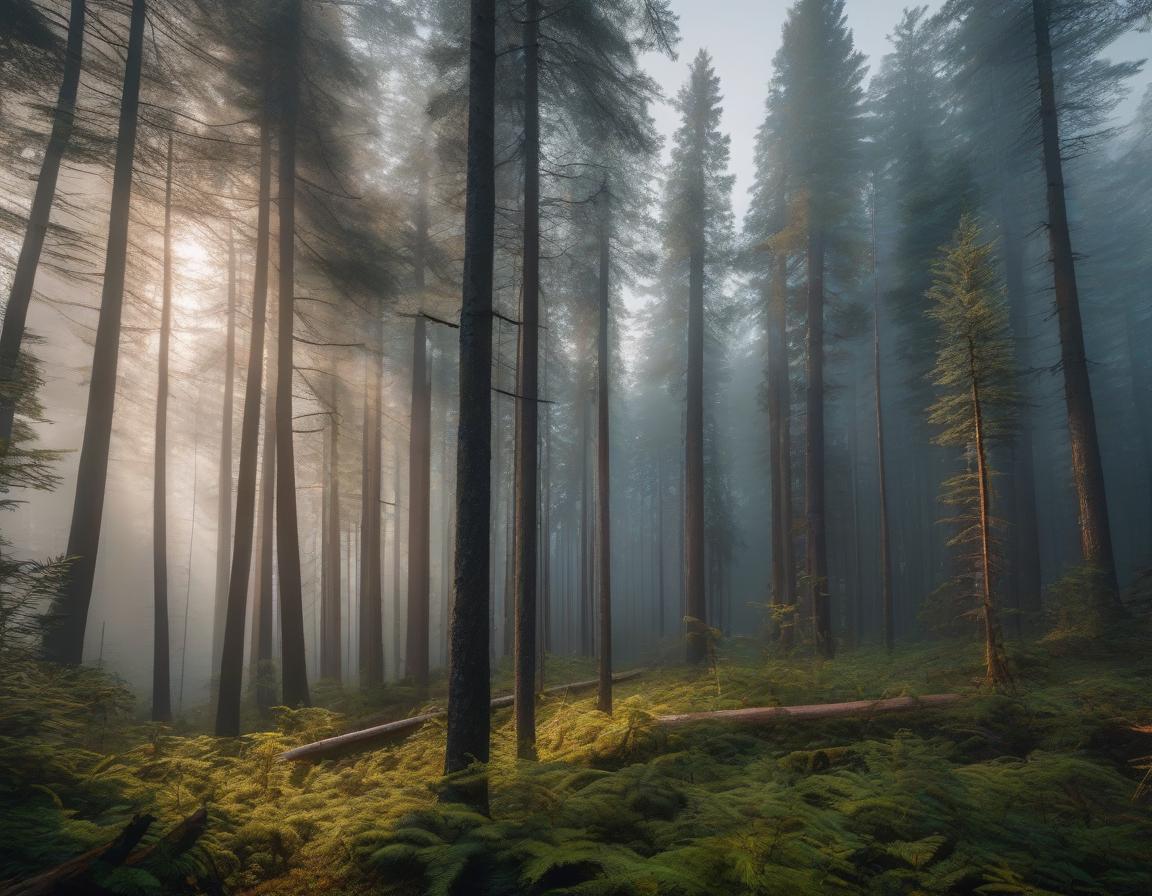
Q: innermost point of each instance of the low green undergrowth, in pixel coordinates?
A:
(1031, 792)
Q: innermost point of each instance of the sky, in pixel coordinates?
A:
(743, 35)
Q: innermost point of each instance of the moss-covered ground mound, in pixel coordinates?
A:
(1032, 792)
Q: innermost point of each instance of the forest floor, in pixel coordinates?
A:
(1033, 792)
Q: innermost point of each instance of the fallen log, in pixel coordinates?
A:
(367, 738)
(764, 714)
(73, 877)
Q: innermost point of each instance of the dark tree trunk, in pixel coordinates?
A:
(886, 603)
(778, 449)
(64, 639)
(1087, 466)
(660, 602)
(224, 479)
(294, 674)
(527, 407)
(331, 662)
(398, 631)
(419, 510)
(695, 602)
(262, 652)
(603, 480)
(232, 647)
(584, 580)
(469, 687)
(545, 633)
(24, 277)
(1020, 489)
(371, 560)
(995, 663)
(814, 450)
(161, 647)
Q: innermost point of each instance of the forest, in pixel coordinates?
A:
(591, 447)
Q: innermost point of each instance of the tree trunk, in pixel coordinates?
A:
(371, 559)
(814, 450)
(161, 648)
(266, 592)
(886, 603)
(583, 573)
(603, 473)
(778, 449)
(294, 674)
(232, 646)
(660, 603)
(419, 510)
(997, 670)
(1087, 465)
(399, 631)
(224, 480)
(331, 663)
(545, 634)
(527, 406)
(24, 277)
(695, 604)
(64, 639)
(1020, 490)
(469, 688)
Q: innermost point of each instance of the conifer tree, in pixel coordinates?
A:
(975, 410)
(697, 221)
(161, 686)
(1087, 463)
(64, 640)
(32, 27)
(818, 109)
(469, 688)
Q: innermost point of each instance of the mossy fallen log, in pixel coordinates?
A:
(765, 714)
(368, 738)
(74, 877)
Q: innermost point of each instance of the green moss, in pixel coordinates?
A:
(1029, 792)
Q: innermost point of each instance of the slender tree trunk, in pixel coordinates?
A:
(224, 479)
(1087, 465)
(696, 605)
(64, 639)
(469, 687)
(161, 648)
(814, 450)
(371, 559)
(584, 582)
(232, 647)
(419, 510)
(527, 406)
(993, 646)
(603, 473)
(660, 602)
(546, 633)
(886, 603)
(263, 647)
(24, 277)
(1020, 491)
(778, 449)
(331, 662)
(399, 630)
(294, 674)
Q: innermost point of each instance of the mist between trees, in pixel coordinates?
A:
(349, 344)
